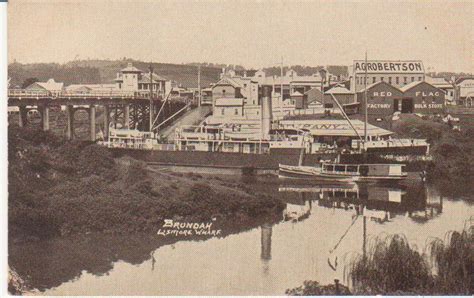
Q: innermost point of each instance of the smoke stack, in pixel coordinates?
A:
(266, 112)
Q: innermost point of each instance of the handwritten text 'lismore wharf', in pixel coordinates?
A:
(175, 228)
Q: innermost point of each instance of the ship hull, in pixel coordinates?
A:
(268, 161)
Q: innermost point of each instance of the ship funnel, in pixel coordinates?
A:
(266, 124)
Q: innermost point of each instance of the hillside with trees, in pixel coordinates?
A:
(105, 71)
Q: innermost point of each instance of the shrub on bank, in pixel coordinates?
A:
(452, 151)
(391, 266)
(313, 288)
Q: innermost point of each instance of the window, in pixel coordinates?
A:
(236, 111)
(381, 79)
(222, 111)
(373, 80)
(412, 79)
(223, 92)
(245, 85)
(390, 80)
(357, 80)
(120, 86)
(405, 80)
(397, 80)
(420, 79)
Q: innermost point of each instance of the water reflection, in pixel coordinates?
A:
(379, 203)
(320, 224)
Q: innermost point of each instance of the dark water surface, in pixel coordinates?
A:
(320, 230)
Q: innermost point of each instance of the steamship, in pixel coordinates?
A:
(260, 144)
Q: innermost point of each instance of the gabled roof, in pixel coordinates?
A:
(339, 90)
(460, 80)
(410, 85)
(145, 78)
(131, 68)
(50, 85)
(296, 93)
(227, 81)
(378, 83)
(414, 84)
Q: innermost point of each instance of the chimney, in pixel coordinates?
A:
(266, 124)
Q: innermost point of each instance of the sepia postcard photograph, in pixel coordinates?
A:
(238, 147)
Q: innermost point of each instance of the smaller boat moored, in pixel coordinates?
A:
(345, 172)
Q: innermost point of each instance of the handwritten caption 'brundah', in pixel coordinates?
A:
(176, 228)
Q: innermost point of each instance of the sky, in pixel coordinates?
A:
(250, 33)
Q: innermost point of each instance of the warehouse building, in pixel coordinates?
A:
(422, 98)
(384, 100)
(396, 73)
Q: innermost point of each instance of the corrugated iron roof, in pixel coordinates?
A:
(339, 90)
(330, 127)
(50, 85)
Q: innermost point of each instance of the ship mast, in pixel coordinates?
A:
(365, 104)
(281, 87)
(199, 85)
(150, 68)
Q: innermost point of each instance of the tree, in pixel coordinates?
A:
(28, 82)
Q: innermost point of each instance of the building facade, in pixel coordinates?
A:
(383, 100)
(465, 91)
(235, 89)
(395, 73)
(423, 97)
(132, 79)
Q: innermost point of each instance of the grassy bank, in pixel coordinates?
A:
(60, 188)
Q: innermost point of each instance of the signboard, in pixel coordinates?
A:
(388, 66)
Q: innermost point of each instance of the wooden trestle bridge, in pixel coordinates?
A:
(131, 109)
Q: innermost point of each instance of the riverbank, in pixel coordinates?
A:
(59, 188)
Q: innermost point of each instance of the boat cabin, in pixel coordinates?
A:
(240, 139)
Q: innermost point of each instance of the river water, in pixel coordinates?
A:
(322, 228)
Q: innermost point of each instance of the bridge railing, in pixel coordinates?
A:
(111, 93)
(82, 94)
(25, 92)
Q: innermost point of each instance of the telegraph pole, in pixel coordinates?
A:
(150, 68)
